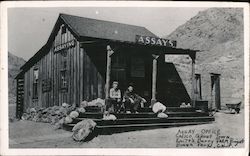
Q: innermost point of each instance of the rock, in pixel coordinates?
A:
(107, 116)
(74, 114)
(99, 102)
(65, 105)
(32, 110)
(68, 120)
(159, 107)
(26, 116)
(54, 120)
(81, 110)
(83, 104)
(82, 129)
(162, 115)
(70, 109)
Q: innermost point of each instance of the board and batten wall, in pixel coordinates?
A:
(84, 80)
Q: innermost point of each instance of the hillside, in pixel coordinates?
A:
(218, 33)
(14, 64)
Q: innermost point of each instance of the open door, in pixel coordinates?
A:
(170, 88)
(215, 91)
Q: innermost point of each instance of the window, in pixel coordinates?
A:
(63, 29)
(35, 83)
(64, 80)
(64, 83)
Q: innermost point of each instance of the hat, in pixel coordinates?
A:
(115, 82)
(131, 84)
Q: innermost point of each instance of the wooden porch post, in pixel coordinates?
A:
(108, 72)
(154, 74)
(193, 55)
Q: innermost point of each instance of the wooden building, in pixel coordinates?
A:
(82, 55)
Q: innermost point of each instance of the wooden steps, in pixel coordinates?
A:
(145, 109)
(146, 119)
(136, 122)
(143, 115)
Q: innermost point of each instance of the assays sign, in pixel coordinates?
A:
(147, 40)
(64, 46)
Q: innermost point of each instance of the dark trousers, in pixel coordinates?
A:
(113, 105)
(133, 107)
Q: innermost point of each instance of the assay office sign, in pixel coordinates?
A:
(147, 40)
(64, 46)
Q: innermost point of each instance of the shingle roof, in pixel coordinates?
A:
(86, 27)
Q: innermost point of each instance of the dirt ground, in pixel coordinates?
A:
(28, 134)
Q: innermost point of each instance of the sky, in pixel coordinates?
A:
(29, 28)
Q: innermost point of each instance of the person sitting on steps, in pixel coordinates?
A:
(114, 98)
(132, 100)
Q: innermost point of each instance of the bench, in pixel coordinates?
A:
(234, 107)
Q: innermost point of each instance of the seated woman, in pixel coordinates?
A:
(114, 98)
(132, 100)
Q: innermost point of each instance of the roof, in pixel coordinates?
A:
(83, 27)
(87, 27)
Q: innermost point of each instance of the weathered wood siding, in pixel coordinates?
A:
(84, 80)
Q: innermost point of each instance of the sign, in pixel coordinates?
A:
(66, 45)
(147, 40)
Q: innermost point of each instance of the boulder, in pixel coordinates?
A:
(81, 110)
(99, 102)
(65, 105)
(107, 116)
(25, 116)
(32, 110)
(74, 114)
(60, 123)
(162, 115)
(83, 129)
(83, 104)
(68, 120)
(159, 107)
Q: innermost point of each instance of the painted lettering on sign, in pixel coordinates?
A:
(147, 40)
(66, 45)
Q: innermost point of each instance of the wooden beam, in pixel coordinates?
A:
(193, 56)
(108, 71)
(154, 74)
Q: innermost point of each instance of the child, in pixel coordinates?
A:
(114, 97)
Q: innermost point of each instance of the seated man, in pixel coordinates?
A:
(114, 98)
(132, 100)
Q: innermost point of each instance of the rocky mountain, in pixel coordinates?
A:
(218, 33)
(14, 64)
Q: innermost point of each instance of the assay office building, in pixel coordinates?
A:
(81, 55)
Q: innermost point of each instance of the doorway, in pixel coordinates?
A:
(215, 91)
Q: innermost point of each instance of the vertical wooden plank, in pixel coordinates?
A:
(84, 80)
(52, 74)
(68, 68)
(75, 78)
(78, 74)
(42, 77)
(31, 86)
(71, 73)
(46, 76)
(25, 92)
(81, 74)
(56, 73)
(39, 84)
(87, 77)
